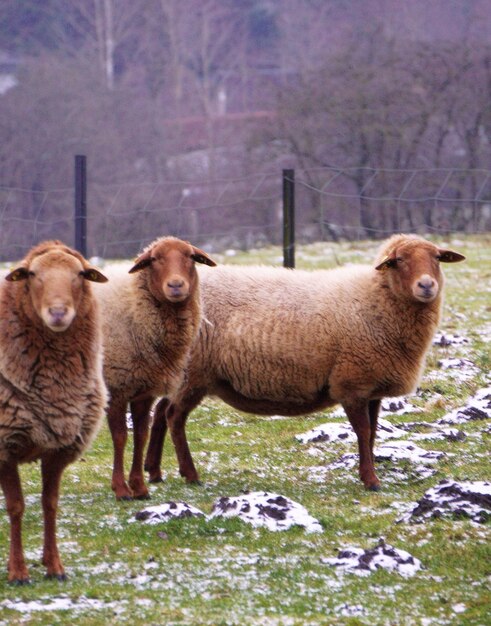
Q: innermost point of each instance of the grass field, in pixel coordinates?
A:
(223, 572)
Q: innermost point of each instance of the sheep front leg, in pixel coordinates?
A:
(361, 420)
(140, 413)
(116, 417)
(153, 459)
(14, 501)
(52, 467)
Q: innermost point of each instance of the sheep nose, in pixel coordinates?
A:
(176, 283)
(57, 313)
(426, 282)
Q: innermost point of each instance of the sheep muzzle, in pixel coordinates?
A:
(57, 317)
(176, 289)
(425, 288)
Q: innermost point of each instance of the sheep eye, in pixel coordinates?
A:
(31, 274)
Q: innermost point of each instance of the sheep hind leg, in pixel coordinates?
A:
(361, 420)
(14, 503)
(140, 413)
(52, 467)
(176, 422)
(373, 411)
(153, 458)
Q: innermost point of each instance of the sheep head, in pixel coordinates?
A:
(412, 267)
(170, 263)
(55, 277)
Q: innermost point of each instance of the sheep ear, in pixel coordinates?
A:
(141, 263)
(21, 273)
(201, 257)
(449, 256)
(93, 275)
(386, 263)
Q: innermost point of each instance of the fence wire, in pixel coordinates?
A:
(245, 212)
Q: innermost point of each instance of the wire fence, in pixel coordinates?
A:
(247, 212)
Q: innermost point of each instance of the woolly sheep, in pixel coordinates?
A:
(52, 394)
(151, 317)
(292, 342)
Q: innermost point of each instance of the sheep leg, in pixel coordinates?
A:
(14, 501)
(359, 417)
(176, 422)
(52, 468)
(373, 411)
(153, 459)
(140, 413)
(116, 417)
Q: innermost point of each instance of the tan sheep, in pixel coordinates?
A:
(292, 342)
(52, 393)
(151, 317)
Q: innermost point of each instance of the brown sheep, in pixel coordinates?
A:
(52, 393)
(151, 317)
(292, 342)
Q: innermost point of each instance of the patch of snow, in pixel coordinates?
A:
(450, 434)
(463, 368)
(434, 432)
(459, 370)
(331, 431)
(447, 339)
(395, 451)
(349, 610)
(57, 604)
(334, 431)
(398, 450)
(477, 408)
(263, 509)
(453, 499)
(397, 406)
(385, 556)
(167, 511)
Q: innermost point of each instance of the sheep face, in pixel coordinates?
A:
(170, 264)
(55, 283)
(412, 267)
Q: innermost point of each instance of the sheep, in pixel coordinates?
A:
(292, 342)
(151, 316)
(52, 392)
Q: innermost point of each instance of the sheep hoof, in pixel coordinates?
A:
(124, 498)
(196, 482)
(143, 496)
(59, 577)
(20, 582)
(158, 479)
(374, 487)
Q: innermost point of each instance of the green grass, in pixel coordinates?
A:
(195, 572)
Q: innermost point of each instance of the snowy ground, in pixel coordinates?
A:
(405, 446)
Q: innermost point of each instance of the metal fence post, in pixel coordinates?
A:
(81, 204)
(289, 218)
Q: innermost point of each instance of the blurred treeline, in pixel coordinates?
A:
(189, 92)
